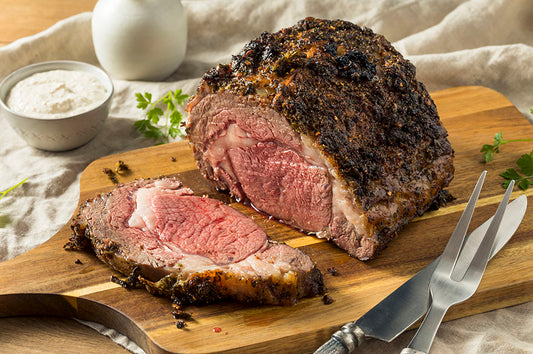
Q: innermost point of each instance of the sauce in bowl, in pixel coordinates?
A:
(56, 94)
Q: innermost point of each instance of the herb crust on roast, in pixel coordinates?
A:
(354, 108)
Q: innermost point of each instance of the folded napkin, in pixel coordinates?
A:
(451, 43)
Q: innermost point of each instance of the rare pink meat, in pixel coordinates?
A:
(206, 227)
(193, 248)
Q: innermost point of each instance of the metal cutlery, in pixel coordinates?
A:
(450, 286)
(402, 308)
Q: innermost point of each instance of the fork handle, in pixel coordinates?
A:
(423, 338)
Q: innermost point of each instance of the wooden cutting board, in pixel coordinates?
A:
(51, 281)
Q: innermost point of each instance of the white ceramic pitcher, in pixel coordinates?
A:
(139, 39)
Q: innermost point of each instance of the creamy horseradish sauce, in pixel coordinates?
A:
(56, 94)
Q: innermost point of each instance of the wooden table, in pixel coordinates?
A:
(19, 19)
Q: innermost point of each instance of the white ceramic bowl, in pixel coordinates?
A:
(58, 134)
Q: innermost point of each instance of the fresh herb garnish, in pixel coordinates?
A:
(524, 176)
(490, 150)
(2, 194)
(150, 126)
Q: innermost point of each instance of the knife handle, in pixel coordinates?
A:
(343, 341)
(332, 346)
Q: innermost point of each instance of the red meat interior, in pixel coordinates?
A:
(280, 182)
(206, 227)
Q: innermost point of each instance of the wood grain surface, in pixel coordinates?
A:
(22, 18)
(19, 19)
(43, 334)
(48, 281)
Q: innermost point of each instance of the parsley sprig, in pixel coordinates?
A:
(3, 193)
(151, 126)
(523, 175)
(489, 150)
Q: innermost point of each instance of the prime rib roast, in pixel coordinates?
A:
(325, 127)
(193, 249)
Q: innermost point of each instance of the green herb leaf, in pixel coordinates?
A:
(154, 114)
(510, 174)
(524, 176)
(175, 118)
(150, 126)
(489, 150)
(525, 163)
(3, 193)
(143, 101)
(524, 184)
(179, 97)
(488, 155)
(498, 139)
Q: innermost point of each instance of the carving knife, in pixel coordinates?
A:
(401, 309)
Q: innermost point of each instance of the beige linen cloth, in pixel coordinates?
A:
(451, 42)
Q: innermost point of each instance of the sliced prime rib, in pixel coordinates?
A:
(324, 126)
(190, 248)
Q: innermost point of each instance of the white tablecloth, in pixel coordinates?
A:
(451, 42)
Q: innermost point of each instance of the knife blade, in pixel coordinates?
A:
(401, 309)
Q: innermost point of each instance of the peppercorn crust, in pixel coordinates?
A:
(355, 99)
(350, 91)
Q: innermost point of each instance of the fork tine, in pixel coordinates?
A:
(455, 244)
(446, 291)
(479, 262)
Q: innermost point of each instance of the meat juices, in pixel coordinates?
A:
(192, 249)
(324, 126)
